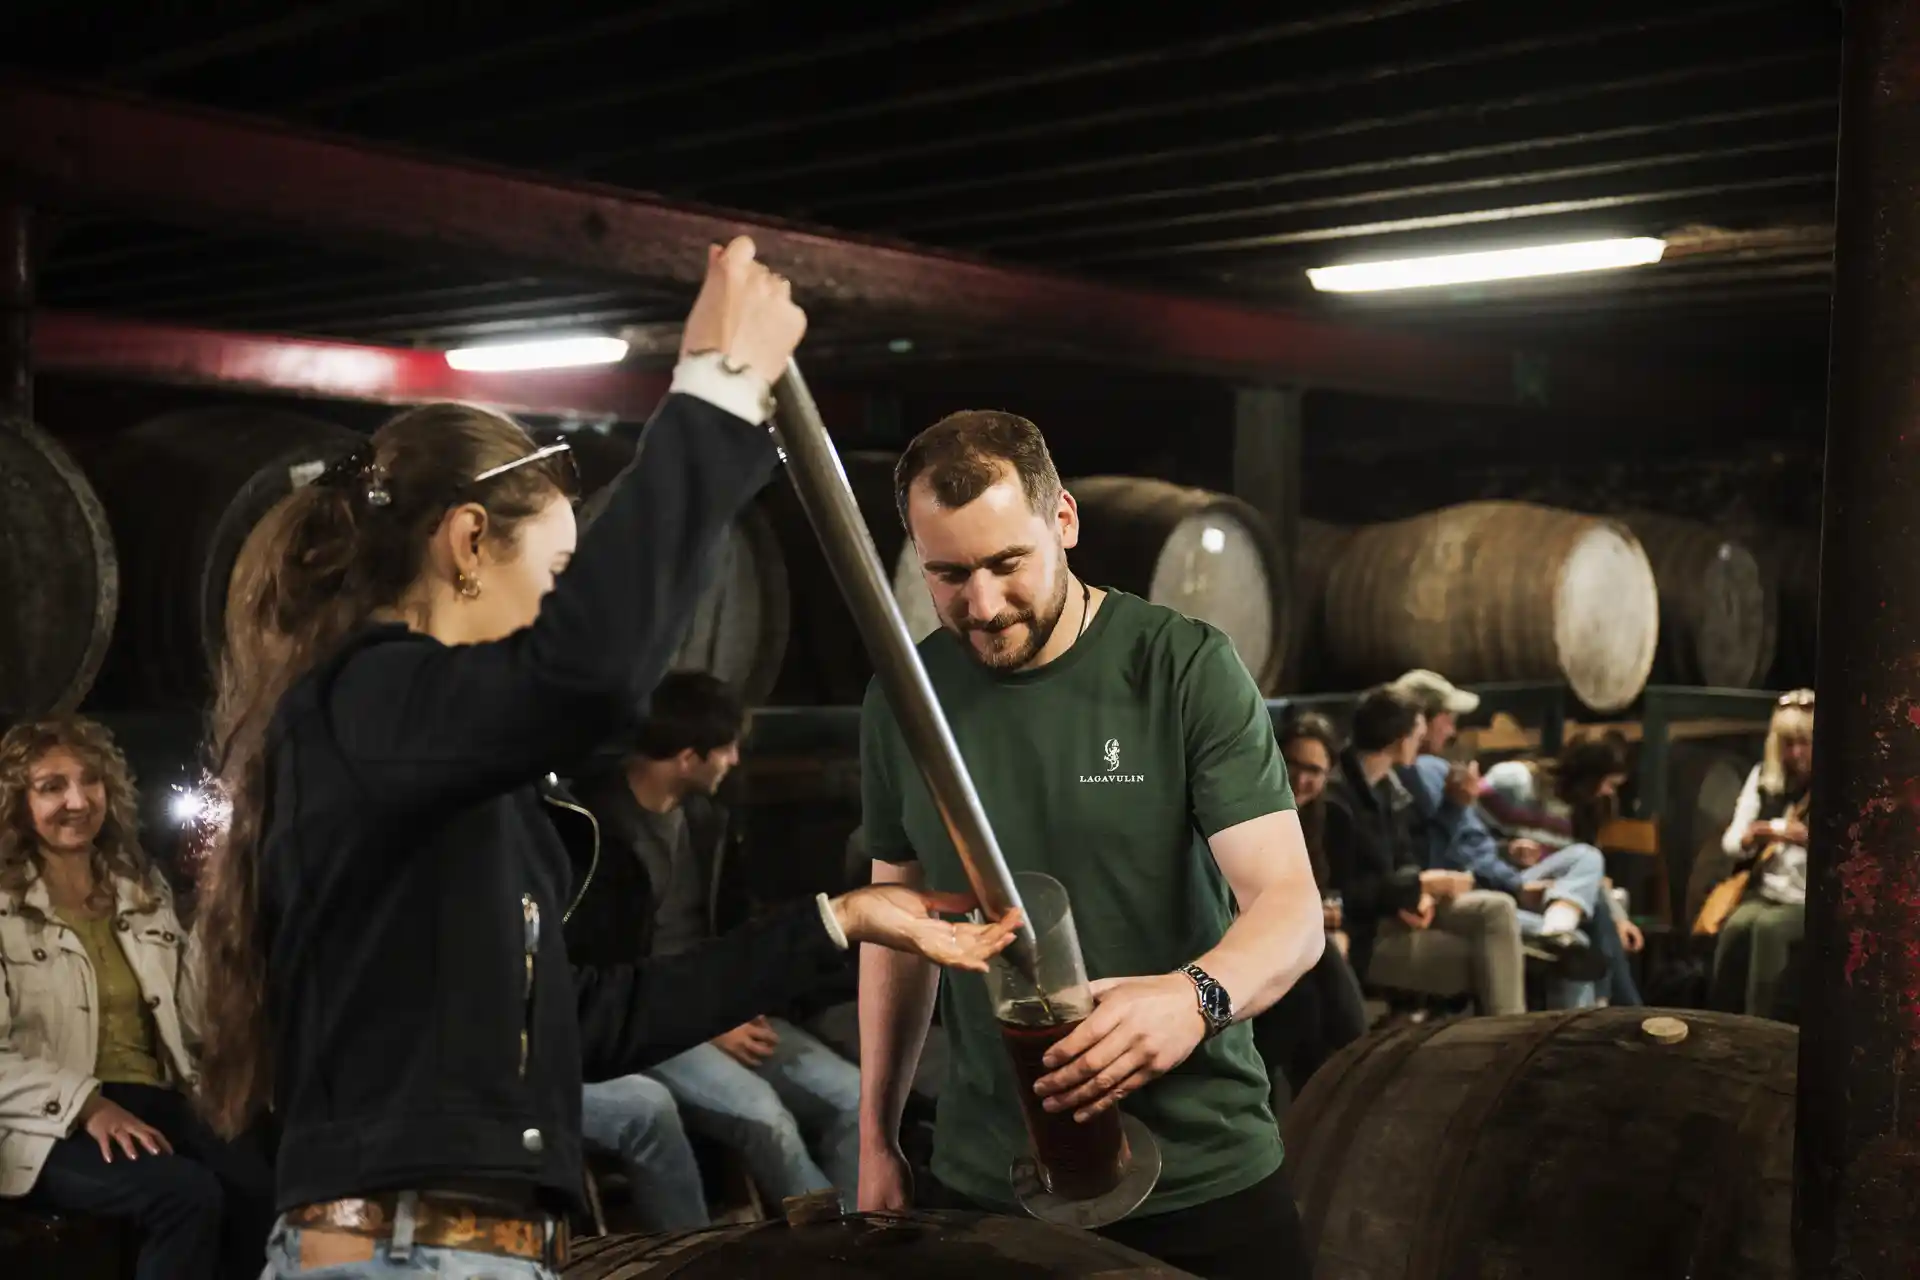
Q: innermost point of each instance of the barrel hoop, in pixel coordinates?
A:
(1713, 1253)
(671, 1255)
(1358, 1091)
(1439, 1216)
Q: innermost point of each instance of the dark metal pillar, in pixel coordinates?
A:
(1857, 1166)
(16, 309)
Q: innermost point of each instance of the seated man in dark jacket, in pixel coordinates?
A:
(661, 885)
(1391, 904)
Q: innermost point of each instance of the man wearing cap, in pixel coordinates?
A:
(1559, 891)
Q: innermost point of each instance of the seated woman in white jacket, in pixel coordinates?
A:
(1767, 839)
(94, 1043)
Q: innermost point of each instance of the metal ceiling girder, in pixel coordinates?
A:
(95, 149)
(144, 351)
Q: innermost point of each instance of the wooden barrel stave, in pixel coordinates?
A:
(1712, 602)
(1206, 554)
(827, 663)
(1790, 561)
(58, 559)
(1490, 591)
(1317, 548)
(184, 490)
(926, 1246)
(1479, 1148)
(740, 626)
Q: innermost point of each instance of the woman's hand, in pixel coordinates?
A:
(745, 312)
(110, 1124)
(1631, 939)
(892, 915)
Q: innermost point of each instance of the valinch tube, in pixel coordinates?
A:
(821, 482)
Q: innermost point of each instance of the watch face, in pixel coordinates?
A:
(1213, 997)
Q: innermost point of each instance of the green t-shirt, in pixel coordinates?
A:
(1108, 769)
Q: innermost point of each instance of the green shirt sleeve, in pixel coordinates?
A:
(882, 823)
(1234, 769)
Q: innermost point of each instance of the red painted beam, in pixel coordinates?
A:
(147, 352)
(217, 170)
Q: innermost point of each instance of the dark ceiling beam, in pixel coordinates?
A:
(1504, 181)
(971, 214)
(767, 166)
(963, 188)
(212, 169)
(1503, 216)
(299, 24)
(502, 56)
(672, 85)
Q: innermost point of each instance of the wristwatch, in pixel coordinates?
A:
(1216, 1006)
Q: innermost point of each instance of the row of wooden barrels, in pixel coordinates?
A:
(119, 575)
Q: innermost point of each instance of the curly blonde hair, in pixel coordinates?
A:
(116, 852)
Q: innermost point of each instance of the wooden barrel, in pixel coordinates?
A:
(1490, 591)
(1769, 567)
(911, 594)
(1208, 555)
(1790, 558)
(58, 561)
(1712, 602)
(1319, 546)
(1704, 779)
(925, 1246)
(827, 662)
(1573, 1145)
(183, 491)
(740, 626)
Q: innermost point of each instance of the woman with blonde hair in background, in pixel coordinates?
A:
(96, 1019)
(1768, 837)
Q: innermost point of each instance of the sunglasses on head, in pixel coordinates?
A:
(551, 452)
(1796, 698)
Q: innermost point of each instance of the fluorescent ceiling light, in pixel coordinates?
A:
(1497, 264)
(550, 353)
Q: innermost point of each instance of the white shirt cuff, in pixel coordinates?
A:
(744, 395)
(827, 918)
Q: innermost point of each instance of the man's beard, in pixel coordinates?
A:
(1010, 656)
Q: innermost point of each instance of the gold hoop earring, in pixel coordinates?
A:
(469, 588)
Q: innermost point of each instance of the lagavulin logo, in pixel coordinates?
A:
(1111, 754)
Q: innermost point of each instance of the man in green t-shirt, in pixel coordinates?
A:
(1121, 748)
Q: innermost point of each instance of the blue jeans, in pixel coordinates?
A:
(636, 1119)
(1603, 934)
(760, 1112)
(203, 1210)
(398, 1257)
(1573, 874)
(1576, 874)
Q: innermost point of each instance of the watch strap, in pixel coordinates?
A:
(1204, 985)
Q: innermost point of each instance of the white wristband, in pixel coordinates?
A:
(827, 918)
(744, 394)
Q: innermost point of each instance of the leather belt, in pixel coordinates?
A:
(443, 1222)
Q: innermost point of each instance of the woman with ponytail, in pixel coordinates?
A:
(416, 643)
